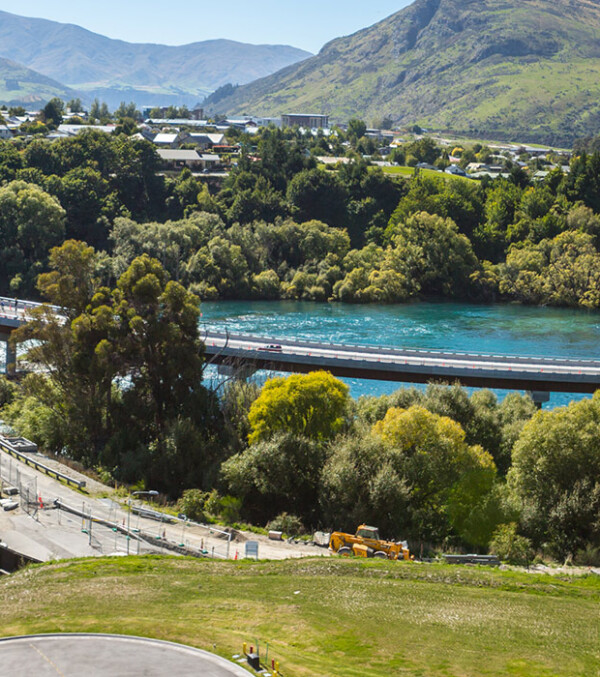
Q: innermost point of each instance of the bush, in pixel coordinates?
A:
(230, 509)
(509, 546)
(193, 504)
(588, 556)
(289, 524)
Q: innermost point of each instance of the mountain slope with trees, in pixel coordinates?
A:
(115, 70)
(501, 68)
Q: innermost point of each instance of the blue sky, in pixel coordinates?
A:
(181, 21)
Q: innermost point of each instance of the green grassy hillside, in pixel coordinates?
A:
(525, 69)
(23, 86)
(325, 616)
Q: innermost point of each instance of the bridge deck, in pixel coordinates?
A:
(408, 365)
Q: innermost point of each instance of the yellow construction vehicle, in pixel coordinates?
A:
(366, 543)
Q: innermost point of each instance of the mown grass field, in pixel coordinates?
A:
(325, 616)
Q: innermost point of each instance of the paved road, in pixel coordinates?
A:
(108, 656)
(55, 534)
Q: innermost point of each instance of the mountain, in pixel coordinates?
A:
(523, 69)
(22, 86)
(149, 74)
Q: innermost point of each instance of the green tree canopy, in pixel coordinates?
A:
(556, 476)
(312, 405)
(31, 222)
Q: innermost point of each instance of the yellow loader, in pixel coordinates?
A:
(366, 543)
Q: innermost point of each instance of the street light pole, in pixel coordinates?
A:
(152, 492)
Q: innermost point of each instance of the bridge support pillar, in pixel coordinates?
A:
(539, 397)
(11, 355)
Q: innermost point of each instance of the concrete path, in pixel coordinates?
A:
(108, 656)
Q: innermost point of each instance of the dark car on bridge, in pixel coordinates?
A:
(272, 347)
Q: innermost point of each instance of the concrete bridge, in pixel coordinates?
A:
(242, 353)
(14, 313)
(538, 375)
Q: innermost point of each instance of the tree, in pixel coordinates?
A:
(424, 150)
(31, 222)
(432, 251)
(52, 113)
(277, 474)
(129, 111)
(99, 111)
(162, 426)
(311, 405)
(441, 470)
(555, 476)
(316, 194)
(413, 475)
(356, 130)
(75, 105)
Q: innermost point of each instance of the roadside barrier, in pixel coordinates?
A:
(6, 446)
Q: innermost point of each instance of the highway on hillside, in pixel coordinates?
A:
(544, 374)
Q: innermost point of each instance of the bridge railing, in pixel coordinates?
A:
(18, 308)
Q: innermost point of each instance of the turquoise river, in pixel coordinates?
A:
(497, 329)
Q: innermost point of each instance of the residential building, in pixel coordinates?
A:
(305, 120)
(176, 160)
(171, 139)
(207, 140)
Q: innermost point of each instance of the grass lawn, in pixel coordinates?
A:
(325, 616)
(409, 171)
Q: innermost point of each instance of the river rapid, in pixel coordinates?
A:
(496, 329)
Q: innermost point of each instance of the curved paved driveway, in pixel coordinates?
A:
(74, 655)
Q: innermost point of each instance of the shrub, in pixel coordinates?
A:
(289, 524)
(231, 508)
(509, 546)
(193, 504)
(588, 556)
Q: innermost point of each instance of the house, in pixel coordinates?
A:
(5, 133)
(309, 120)
(171, 139)
(179, 159)
(73, 130)
(176, 160)
(207, 140)
(455, 170)
(209, 161)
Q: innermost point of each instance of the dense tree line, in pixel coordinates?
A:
(279, 226)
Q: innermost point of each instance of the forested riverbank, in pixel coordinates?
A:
(280, 227)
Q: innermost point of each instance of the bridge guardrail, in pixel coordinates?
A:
(10, 449)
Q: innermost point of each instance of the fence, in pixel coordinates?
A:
(11, 474)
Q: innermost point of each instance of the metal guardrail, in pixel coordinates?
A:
(6, 446)
(490, 560)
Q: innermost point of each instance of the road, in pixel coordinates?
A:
(56, 534)
(108, 656)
